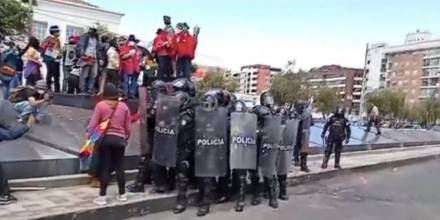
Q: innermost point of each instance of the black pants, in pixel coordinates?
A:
(336, 145)
(166, 71)
(53, 71)
(4, 187)
(73, 84)
(113, 77)
(376, 124)
(111, 152)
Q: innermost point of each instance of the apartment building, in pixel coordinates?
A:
(413, 67)
(254, 79)
(347, 82)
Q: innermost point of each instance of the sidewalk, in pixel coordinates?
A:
(75, 202)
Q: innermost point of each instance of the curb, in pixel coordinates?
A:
(83, 179)
(145, 206)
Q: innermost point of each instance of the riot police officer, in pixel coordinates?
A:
(290, 122)
(148, 121)
(268, 139)
(302, 140)
(185, 91)
(243, 148)
(339, 130)
(211, 143)
(174, 116)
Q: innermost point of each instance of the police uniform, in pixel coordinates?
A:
(339, 130)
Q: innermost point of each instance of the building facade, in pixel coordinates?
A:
(73, 17)
(412, 67)
(346, 81)
(254, 79)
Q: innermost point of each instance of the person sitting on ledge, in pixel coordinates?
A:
(29, 101)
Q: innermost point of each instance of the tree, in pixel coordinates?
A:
(326, 100)
(389, 102)
(104, 31)
(14, 17)
(215, 81)
(290, 88)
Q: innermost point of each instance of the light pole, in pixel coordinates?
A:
(364, 76)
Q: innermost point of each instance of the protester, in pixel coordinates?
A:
(51, 48)
(112, 67)
(8, 67)
(112, 147)
(185, 45)
(69, 57)
(163, 49)
(32, 60)
(87, 52)
(73, 79)
(29, 101)
(103, 47)
(5, 196)
(128, 56)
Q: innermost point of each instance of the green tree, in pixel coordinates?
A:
(215, 81)
(389, 102)
(104, 31)
(290, 88)
(326, 100)
(14, 17)
(429, 110)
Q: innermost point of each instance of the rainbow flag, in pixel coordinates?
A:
(87, 148)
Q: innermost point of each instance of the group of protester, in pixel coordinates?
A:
(89, 60)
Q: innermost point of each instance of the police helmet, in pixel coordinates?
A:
(184, 85)
(239, 106)
(266, 99)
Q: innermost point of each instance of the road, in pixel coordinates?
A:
(405, 193)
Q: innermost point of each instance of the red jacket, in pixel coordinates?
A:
(162, 45)
(126, 66)
(136, 60)
(185, 44)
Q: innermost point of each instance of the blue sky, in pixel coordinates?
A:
(314, 32)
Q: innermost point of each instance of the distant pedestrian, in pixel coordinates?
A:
(51, 48)
(112, 146)
(373, 119)
(102, 72)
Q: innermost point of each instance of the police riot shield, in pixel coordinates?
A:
(166, 131)
(288, 139)
(268, 146)
(243, 146)
(211, 142)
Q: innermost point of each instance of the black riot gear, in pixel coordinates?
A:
(269, 137)
(266, 99)
(339, 130)
(184, 85)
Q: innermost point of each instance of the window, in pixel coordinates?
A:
(73, 31)
(39, 30)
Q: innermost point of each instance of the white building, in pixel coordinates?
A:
(73, 17)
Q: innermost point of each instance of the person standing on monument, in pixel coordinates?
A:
(51, 48)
